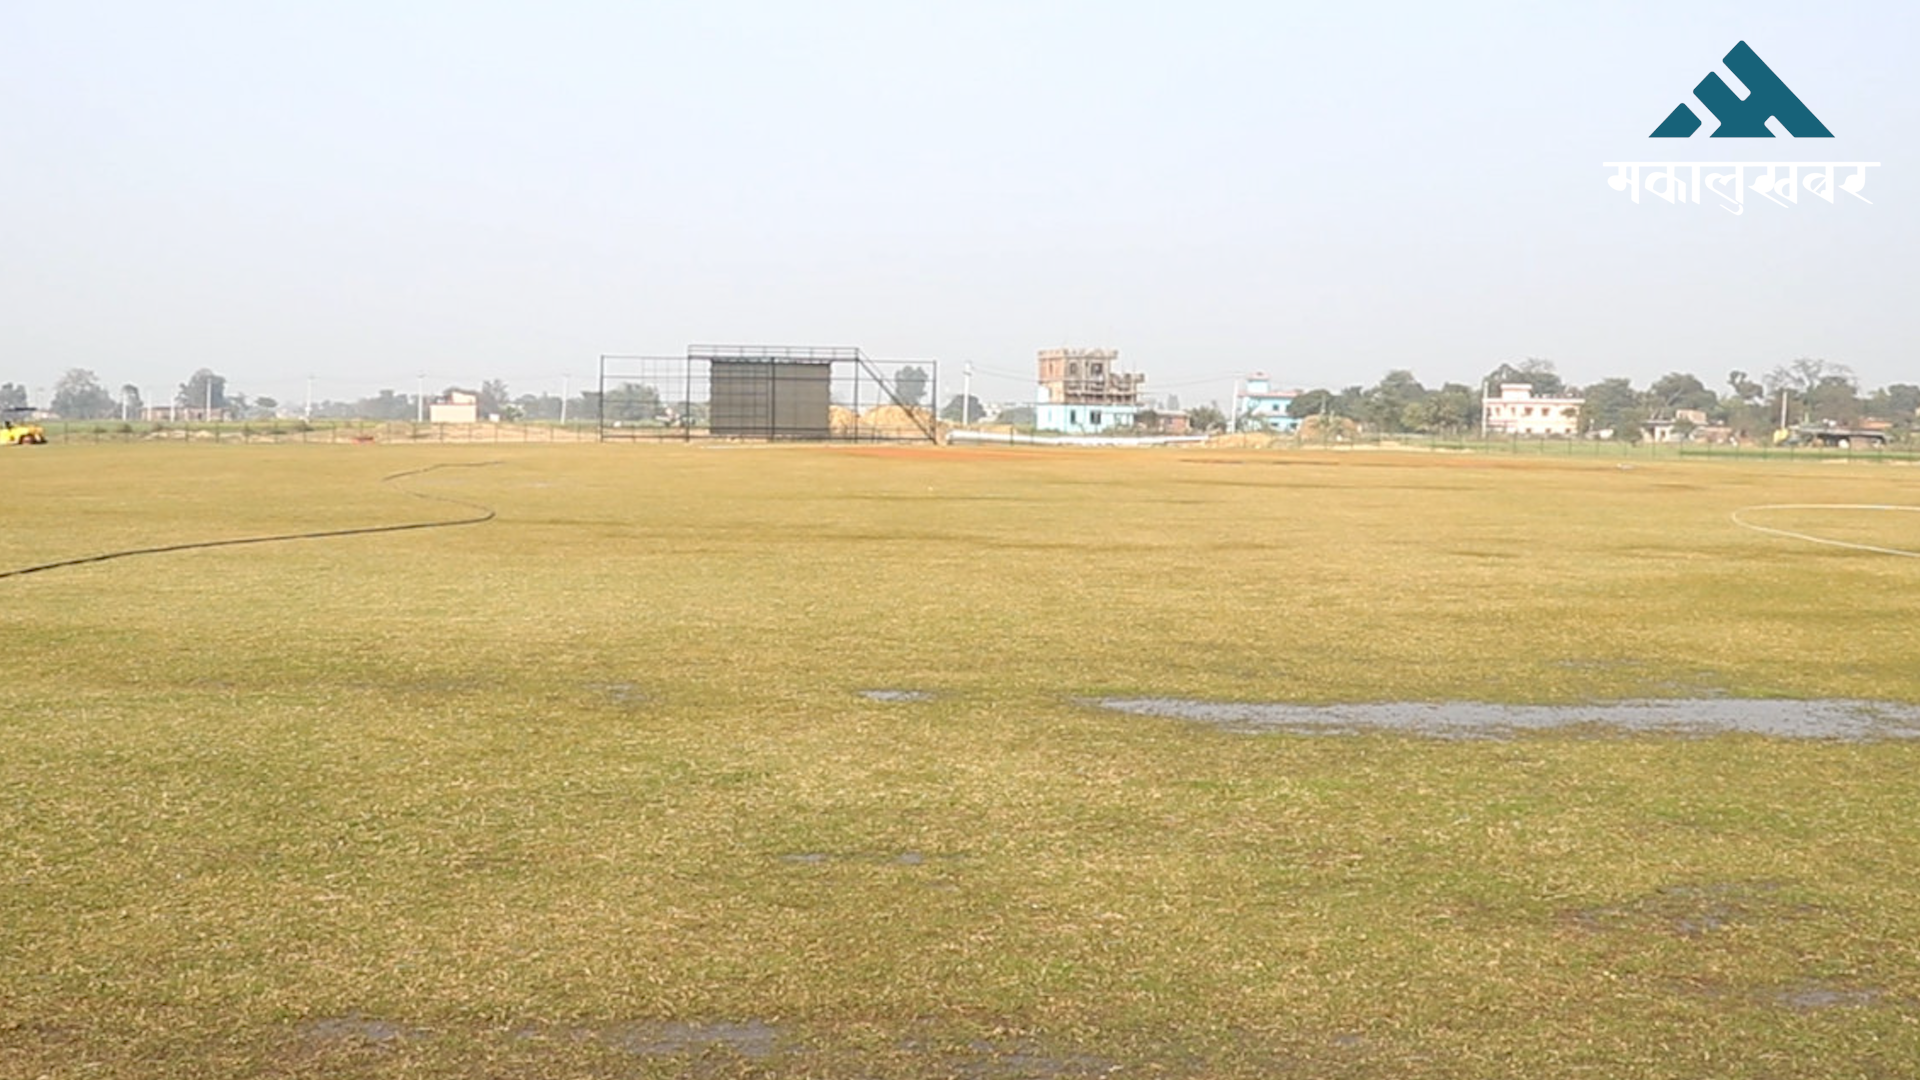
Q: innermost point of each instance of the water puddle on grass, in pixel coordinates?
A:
(1811, 998)
(620, 693)
(1828, 719)
(1001, 1059)
(1691, 911)
(896, 695)
(905, 858)
(752, 1039)
(360, 1030)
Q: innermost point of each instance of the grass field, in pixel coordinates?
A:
(593, 788)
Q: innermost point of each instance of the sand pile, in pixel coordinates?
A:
(1333, 427)
(881, 419)
(1249, 440)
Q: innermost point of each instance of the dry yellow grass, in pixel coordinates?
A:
(593, 789)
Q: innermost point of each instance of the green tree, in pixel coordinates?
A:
(539, 406)
(1630, 424)
(1797, 379)
(1835, 399)
(1802, 374)
(79, 396)
(1743, 416)
(494, 398)
(1613, 405)
(203, 389)
(1533, 371)
(1744, 388)
(386, 405)
(1310, 403)
(1350, 403)
(1451, 409)
(629, 403)
(13, 396)
(965, 410)
(1206, 419)
(1679, 390)
(1899, 404)
(1394, 401)
(130, 403)
(911, 385)
(1020, 416)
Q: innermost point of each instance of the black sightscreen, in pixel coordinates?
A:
(763, 399)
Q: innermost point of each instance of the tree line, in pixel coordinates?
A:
(1805, 391)
(80, 395)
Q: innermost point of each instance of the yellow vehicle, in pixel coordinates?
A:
(21, 434)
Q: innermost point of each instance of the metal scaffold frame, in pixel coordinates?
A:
(768, 392)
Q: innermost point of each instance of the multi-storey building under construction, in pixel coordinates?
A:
(1083, 390)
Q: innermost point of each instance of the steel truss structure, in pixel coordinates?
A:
(767, 392)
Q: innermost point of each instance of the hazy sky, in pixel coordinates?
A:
(366, 191)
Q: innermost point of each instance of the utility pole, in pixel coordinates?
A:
(420, 398)
(566, 387)
(966, 396)
(209, 399)
(1783, 408)
(309, 412)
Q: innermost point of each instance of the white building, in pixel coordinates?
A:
(459, 407)
(1519, 411)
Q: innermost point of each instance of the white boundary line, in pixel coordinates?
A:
(1821, 539)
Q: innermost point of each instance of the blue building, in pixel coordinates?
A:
(1082, 418)
(1257, 404)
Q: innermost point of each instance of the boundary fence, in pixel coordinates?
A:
(315, 431)
(508, 432)
(1907, 450)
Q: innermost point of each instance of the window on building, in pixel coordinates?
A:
(1098, 369)
(1094, 417)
